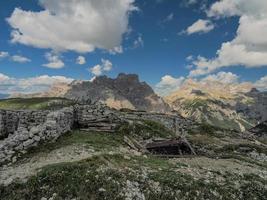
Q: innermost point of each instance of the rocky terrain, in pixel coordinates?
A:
(90, 151)
(232, 106)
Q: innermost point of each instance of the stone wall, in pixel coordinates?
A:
(96, 117)
(29, 134)
(10, 121)
(25, 129)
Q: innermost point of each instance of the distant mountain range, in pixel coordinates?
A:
(233, 106)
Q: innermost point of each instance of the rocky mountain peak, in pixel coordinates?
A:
(125, 91)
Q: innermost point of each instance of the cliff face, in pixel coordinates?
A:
(125, 91)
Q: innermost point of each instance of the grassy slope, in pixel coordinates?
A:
(207, 112)
(112, 174)
(34, 103)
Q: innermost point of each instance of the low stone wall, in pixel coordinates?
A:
(27, 135)
(25, 129)
(96, 117)
(10, 121)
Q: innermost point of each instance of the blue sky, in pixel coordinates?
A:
(154, 35)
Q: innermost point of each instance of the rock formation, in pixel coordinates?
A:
(125, 91)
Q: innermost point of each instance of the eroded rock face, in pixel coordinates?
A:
(256, 109)
(260, 130)
(126, 91)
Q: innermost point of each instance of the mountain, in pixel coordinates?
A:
(233, 106)
(57, 90)
(125, 91)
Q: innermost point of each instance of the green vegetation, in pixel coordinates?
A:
(146, 130)
(116, 177)
(196, 104)
(44, 103)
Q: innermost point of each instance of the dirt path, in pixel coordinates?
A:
(31, 166)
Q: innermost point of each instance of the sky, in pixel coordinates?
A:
(165, 42)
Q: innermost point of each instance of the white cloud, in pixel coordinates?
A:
(249, 47)
(223, 77)
(80, 60)
(168, 84)
(200, 26)
(139, 42)
(3, 77)
(261, 84)
(116, 50)
(189, 58)
(20, 59)
(11, 85)
(188, 3)
(105, 66)
(168, 18)
(3, 54)
(54, 61)
(80, 25)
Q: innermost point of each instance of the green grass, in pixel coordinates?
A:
(105, 177)
(35, 103)
(146, 130)
(97, 140)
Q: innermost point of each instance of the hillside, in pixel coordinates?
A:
(230, 106)
(38, 103)
(86, 165)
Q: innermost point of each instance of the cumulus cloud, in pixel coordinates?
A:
(14, 58)
(249, 47)
(3, 77)
(20, 59)
(223, 77)
(200, 26)
(99, 69)
(80, 25)
(116, 50)
(11, 85)
(3, 54)
(261, 84)
(168, 84)
(80, 60)
(139, 42)
(54, 61)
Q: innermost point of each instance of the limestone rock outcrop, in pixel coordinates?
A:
(125, 91)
